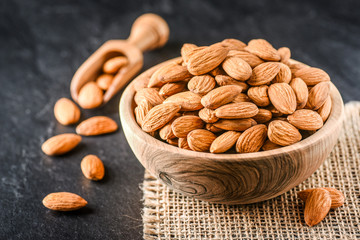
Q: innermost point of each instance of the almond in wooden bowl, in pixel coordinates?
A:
(240, 178)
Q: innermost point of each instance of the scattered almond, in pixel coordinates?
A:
(317, 206)
(64, 201)
(337, 197)
(60, 144)
(96, 126)
(90, 96)
(66, 112)
(92, 167)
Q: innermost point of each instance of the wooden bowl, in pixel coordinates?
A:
(229, 178)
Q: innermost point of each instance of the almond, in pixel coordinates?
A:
(264, 73)
(318, 95)
(205, 60)
(301, 92)
(259, 95)
(66, 112)
(172, 88)
(312, 75)
(285, 54)
(92, 167)
(268, 145)
(223, 80)
(275, 113)
(96, 126)
(104, 81)
(325, 109)
(60, 144)
(159, 115)
(185, 124)
(294, 67)
(217, 71)
(337, 197)
(284, 74)
(237, 110)
(166, 131)
(200, 140)
(201, 84)
(252, 139)
(283, 97)
(317, 206)
(241, 97)
(233, 44)
(173, 141)
(188, 101)
(212, 128)
(149, 94)
(263, 49)
(220, 96)
(262, 116)
(141, 110)
(113, 65)
(250, 58)
(171, 72)
(237, 68)
(235, 124)
(208, 115)
(90, 96)
(182, 143)
(306, 119)
(224, 142)
(283, 133)
(64, 201)
(186, 49)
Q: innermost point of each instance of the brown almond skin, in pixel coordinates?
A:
(306, 119)
(264, 73)
(259, 95)
(285, 54)
(166, 132)
(208, 115)
(171, 72)
(263, 49)
(60, 144)
(92, 167)
(182, 143)
(224, 142)
(66, 112)
(284, 74)
(325, 109)
(159, 116)
(220, 96)
(283, 97)
(283, 133)
(301, 92)
(185, 124)
(188, 101)
(113, 65)
(201, 84)
(337, 197)
(312, 75)
(172, 88)
(97, 125)
(64, 201)
(252, 139)
(173, 141)
(237, 68)
(241, 97)
(268, 145)
(223, 80)
(318, 95)
(90, 96)
(212, 128)
(263, 116)
(250, 58)
(141, 110)
(233, 44)
(200, 140)
(151, 95)
(317, 206)
(235, 124)
(237, 110)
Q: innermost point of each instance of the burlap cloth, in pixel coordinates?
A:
(170, 215)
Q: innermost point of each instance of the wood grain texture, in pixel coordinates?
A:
(230, 178)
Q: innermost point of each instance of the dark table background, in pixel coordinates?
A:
(42, 43)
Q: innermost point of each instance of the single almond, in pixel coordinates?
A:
(172, 88)
(159, 115)
(188, 101)
(301, 92)
(241, 97)
(104, 81)
(250, 58)
(262, 116)
(268, 145)
(166, 131)
(259, 95)
(283, 97)
(252, 139)
(263, 49)
(237, 68)
(212, 128)
(151, 95)
(318, 95)
(235, 124)
(285, 54)
(237, 110)
(223, 80)
(186, 49)
(66, 112)
(337, 197)
(233, 44)
(185, 124)
(90, 96)
(284, 75)
(201, 84)
(113, 65)
(224, 142)
(283, 133)
(182, 143)
(312, 75)
(264, 73)
(306, 119)
(220, 96)
(60, 144)
(317, 206)
(200, 140)
(96, 126)
(208, 115)
(325, 109)
(141, 110)
(169, 73)
(205, 60)
(173, 141)
(64, 201)
(92, 167)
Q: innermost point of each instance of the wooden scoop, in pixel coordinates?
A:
(148, 32)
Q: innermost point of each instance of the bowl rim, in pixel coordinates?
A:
(126, 105)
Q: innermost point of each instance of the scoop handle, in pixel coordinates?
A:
(148, 32)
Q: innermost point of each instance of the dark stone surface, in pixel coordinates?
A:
(42, 43)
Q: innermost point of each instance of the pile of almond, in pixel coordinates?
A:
(91, 94)
(250, 95)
